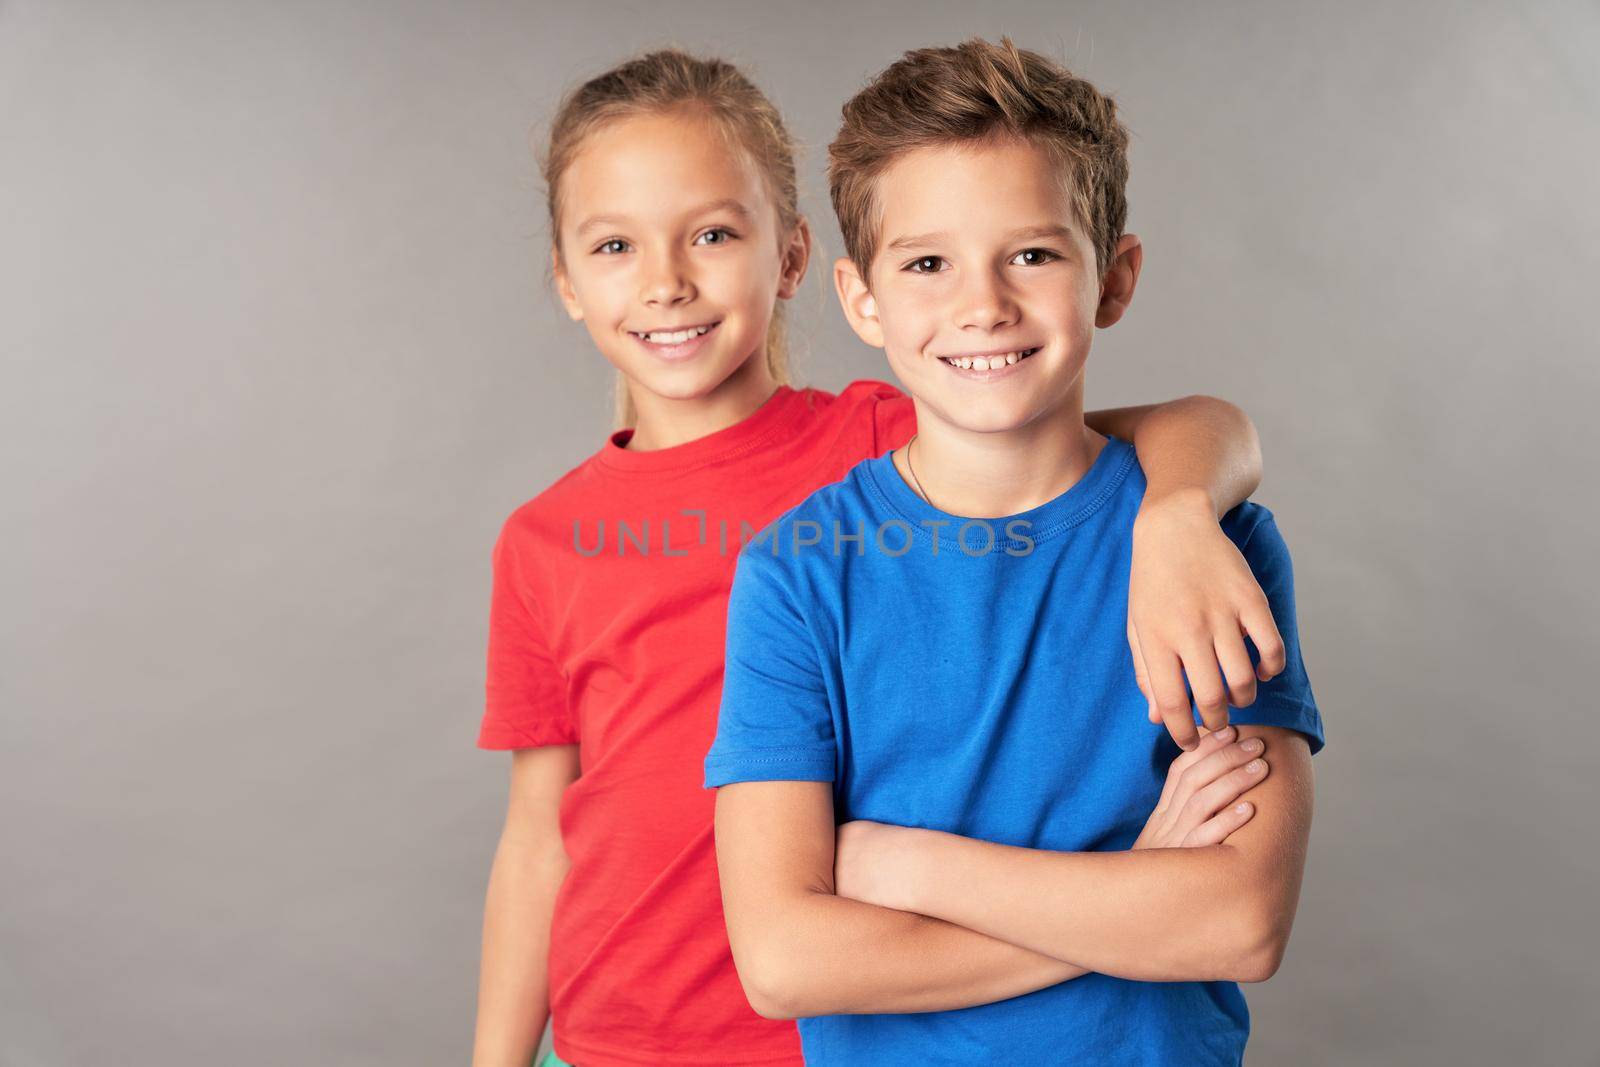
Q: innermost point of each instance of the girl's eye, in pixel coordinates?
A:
(720, 234)
(613, 246)
(926, 265)
(1038, 256)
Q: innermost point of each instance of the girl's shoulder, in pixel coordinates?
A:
(888, 411)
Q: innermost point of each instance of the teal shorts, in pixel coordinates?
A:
(552, 1060)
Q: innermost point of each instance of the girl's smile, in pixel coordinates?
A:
(674, 345)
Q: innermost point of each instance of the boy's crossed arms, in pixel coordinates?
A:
(872, 918)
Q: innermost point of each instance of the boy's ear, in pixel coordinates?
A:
(857, 300)
(796, 255)
(569, 298)
(1116, 288)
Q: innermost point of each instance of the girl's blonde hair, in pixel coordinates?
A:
(663, 81)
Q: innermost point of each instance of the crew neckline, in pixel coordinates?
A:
(775, 414)
(1061, 512)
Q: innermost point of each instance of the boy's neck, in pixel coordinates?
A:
(663, 422)
(992, 475)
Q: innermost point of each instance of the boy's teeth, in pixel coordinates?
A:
(987, 362)
(676, 337)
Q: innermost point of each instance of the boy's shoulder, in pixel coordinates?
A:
(1252, 525)
(806, 529)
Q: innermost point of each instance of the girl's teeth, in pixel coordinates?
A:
(677, 337)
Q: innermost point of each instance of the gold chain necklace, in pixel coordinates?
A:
(914, 479)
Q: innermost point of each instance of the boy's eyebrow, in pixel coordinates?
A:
(1027, 233)
(725, 204)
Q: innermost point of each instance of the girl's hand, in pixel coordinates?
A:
(1197, 802)
(1191, 601)
(876, 863)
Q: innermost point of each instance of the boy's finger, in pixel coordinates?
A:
(1178, 772)
(1216, 830)
(1236, 668)
(1203, 789)
(1224, 791)
(1263, 630)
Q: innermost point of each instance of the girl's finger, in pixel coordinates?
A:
(1205, 681)
(1263, 630)
(1217, 829)
(1165, 672)
(1140, 676)
(1236, 668)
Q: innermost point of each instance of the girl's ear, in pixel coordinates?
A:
(859, 305)
(796, 254)
(569, 298)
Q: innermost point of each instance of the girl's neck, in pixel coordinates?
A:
(664, 421)
(992, 475)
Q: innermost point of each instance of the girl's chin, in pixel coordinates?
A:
(690, 381)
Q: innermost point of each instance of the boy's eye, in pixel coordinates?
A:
(1032, 257)
(925, 265)
(719, 235)
(613, 246)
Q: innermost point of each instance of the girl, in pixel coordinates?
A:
(676, 236)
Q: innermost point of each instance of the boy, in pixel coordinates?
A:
(994, 896)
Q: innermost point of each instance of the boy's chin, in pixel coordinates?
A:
(982, 415)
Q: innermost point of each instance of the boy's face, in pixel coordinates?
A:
(982, 261)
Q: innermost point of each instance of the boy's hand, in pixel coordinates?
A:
(1197, 802)
(1191, 601)
(880, 863)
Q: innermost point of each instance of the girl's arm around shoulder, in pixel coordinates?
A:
(1191, 596)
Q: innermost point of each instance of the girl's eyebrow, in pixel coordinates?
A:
(728, 204)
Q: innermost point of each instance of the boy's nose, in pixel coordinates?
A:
(985, 304)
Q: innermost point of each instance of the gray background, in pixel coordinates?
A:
(278, 360)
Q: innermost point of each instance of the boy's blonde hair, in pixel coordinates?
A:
(973, 92)
(670, 80)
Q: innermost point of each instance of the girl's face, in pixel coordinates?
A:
(669, 253)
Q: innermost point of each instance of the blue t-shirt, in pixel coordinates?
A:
(974, 676)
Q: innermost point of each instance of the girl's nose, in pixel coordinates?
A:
(666, 282)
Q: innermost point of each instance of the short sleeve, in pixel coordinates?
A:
(1287, 699)
(526, 694)
(775, 722)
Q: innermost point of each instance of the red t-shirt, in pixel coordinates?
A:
(606, 629)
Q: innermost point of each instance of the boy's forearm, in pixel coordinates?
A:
(1196, 446)
(823, 954)
(1163, 914)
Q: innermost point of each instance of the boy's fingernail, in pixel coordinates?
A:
(1254, 766)
(1226, 733)
(1253, 745)
(1242, 808)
